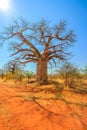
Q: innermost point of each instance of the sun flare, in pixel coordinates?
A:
(4, 5)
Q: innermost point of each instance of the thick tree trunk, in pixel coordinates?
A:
(41, 72)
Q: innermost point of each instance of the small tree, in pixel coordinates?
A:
(68, 72)
(13, 67)
(40, 43)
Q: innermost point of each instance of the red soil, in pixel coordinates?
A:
(19, 112)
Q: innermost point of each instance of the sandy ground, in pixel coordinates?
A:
(28, 108)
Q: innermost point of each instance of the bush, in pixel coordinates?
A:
(18, 76)
(8, 76)
(28, 74)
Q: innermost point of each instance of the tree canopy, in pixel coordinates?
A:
(39, 42)
(31, 41)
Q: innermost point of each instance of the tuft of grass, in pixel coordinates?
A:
(59, 96)
(26, 96)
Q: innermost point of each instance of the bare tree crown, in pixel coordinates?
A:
(38, 41)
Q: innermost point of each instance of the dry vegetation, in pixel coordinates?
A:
(26, 105)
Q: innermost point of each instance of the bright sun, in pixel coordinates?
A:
(4, 5)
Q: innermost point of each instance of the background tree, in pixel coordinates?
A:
(39, 42)
(13, 67)
(13, 70)
(69, 73)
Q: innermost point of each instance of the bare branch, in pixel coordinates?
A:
(28, 37)
(30, 44)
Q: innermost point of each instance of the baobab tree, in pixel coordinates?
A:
(39, 42)
(13, 67)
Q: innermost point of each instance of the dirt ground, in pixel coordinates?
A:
(30, 107)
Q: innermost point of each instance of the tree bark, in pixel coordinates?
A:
(41, 72)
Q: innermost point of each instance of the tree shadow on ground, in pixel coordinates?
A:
(52, 87)
(52, 117)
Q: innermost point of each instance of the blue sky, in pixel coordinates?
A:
(73, 11)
